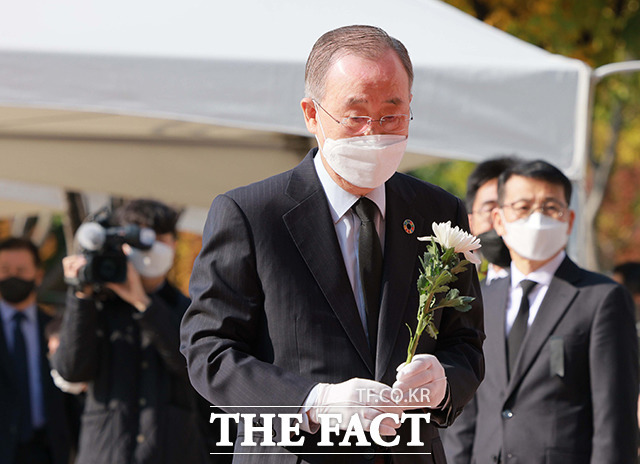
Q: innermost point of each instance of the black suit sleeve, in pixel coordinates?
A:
(459, 347)
(614, 379)
(76, 359)
(222, 325)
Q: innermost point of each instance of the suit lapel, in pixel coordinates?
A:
(400, 264)
(6, 362)
(555, 304)
(45, 374)
(495, 304)
(311, 228)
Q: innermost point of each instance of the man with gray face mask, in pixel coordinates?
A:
(561, 355)
(124, 342)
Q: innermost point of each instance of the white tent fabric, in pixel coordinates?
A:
(478, 91)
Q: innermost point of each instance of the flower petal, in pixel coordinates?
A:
(472, 258)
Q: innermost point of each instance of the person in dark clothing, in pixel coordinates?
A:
(33, 425)
(124, 342)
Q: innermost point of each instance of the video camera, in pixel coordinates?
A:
(102, 248)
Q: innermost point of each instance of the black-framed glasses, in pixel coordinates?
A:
(524, 208)
(392, 123)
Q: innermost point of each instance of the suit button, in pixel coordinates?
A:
(140, 438)
(142, 402)
(507, 414)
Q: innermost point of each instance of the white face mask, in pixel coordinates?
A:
(366, 161)
(154, 262)
(536, 237)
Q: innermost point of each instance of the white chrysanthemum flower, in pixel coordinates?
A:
(456, 238)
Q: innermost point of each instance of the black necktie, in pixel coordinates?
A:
(370, 264)
(520, 325)
(21, 364)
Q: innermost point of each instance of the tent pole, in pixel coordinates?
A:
(585, 223)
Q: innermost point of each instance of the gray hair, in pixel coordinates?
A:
(364, 41)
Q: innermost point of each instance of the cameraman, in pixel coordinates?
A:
(124, 341)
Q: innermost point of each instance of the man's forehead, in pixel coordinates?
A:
(17, 257)
(520, 186)
(356, 77)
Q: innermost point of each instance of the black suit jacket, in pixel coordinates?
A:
(273, 312)
(57, 429)
(573, 395)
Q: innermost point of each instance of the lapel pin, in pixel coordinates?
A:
(409, 226)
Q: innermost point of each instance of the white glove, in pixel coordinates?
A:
(366, 398)
(422, 382)
(75, 388)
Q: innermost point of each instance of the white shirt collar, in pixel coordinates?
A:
(340, 201)
(495, 273)
(543, 275)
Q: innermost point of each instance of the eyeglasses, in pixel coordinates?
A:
(524, 208)
(390, 124)
(484, 213)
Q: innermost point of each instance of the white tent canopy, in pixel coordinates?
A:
(478, 92)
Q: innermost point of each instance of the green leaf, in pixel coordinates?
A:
(463, 309)
(453, 293)
(460, 267)
(422, 283)
(440, 289)
(432, 331)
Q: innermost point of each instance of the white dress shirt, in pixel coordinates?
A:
(543, 277)
(31, 336)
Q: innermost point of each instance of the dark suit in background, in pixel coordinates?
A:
(273, 312)
(572, 396)
(55, 434)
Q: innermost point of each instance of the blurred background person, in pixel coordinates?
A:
(33, 426)
(73, 393)
(628, 274)
(481, 199)
(123, 340)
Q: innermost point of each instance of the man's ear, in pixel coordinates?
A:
(572, 217)
(310, 114)
(39, 277)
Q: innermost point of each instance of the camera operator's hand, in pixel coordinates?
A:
(71, 266)
(131, 290)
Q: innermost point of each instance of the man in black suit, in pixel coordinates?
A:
(561, 353)
(306, 280)
(33, 427)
